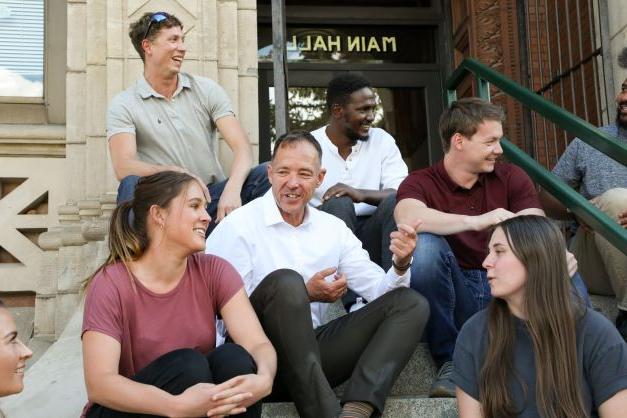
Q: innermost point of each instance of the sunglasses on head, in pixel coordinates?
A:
(155, 18)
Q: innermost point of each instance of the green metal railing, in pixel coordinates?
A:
(594, 137)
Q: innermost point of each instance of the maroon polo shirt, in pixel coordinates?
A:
(506, 187)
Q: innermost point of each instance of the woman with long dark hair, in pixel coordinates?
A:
(537, 351)
(149, 326)
(13, 356)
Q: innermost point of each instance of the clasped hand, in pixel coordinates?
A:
(228, 398)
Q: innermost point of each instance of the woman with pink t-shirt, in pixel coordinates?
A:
(149, 325)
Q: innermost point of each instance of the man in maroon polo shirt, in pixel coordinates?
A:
(458, 199)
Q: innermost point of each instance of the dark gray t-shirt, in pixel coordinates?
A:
(601, 355)
(588, 170)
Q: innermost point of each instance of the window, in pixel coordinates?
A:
(21, 48)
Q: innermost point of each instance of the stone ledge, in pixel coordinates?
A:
(32, 140)
(32, 132)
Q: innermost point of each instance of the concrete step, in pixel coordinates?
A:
(395, 407)
(606, 305)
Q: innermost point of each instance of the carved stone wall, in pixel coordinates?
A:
(487, 30)
(77, 189)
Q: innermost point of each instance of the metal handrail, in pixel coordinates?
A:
(593, 136)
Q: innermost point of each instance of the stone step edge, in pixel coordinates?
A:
(395, 407)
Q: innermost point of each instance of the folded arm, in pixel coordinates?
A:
(411, 211)
(123, 151)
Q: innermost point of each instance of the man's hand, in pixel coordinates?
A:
(320, 290)
(571, 263)
(403, 243)
(482, 222)
(257, 386)
(229, 201)
(342, 189)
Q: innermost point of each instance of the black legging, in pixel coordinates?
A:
(180, 369)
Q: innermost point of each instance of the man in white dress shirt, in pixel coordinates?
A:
(295, 260)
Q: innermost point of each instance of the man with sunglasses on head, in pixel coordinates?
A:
(167, 120)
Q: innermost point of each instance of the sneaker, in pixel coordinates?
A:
(443, 386)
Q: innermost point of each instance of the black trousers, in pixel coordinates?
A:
(369, 347)
(180, 369)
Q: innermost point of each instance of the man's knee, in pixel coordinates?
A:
(259, 172)
(613, 201)
(387, 205)
(284, 285)
(339, 206)
(430, 252)
(126, 189)
(411, 301)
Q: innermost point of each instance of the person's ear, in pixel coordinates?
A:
(269, 171)
(457, 140)
(157, 215)
(321, 174)
(146, 46)
(337, 111)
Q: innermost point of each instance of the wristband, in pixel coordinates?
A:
(402, 268)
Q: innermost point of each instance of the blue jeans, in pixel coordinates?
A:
(256, 185)
(454, 294)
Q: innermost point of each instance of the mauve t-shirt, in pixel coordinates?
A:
(148, 324)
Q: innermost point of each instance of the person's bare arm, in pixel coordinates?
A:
(614, 407)
(105, 386)
(412, 211)
(468, 406)
(237, 141)
(371, 197)
(123, 151)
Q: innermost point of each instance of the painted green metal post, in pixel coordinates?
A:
(483, 88)
(451, 96)
(596, 138)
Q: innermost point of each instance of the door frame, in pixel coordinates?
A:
(379, 76)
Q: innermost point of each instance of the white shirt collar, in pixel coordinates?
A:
(272, 214)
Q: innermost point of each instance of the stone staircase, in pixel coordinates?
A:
(54, 386)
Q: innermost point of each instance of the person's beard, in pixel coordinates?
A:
(621, 122)
(354, 136)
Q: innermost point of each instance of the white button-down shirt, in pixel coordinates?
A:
(375, 164)
(257, 241)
